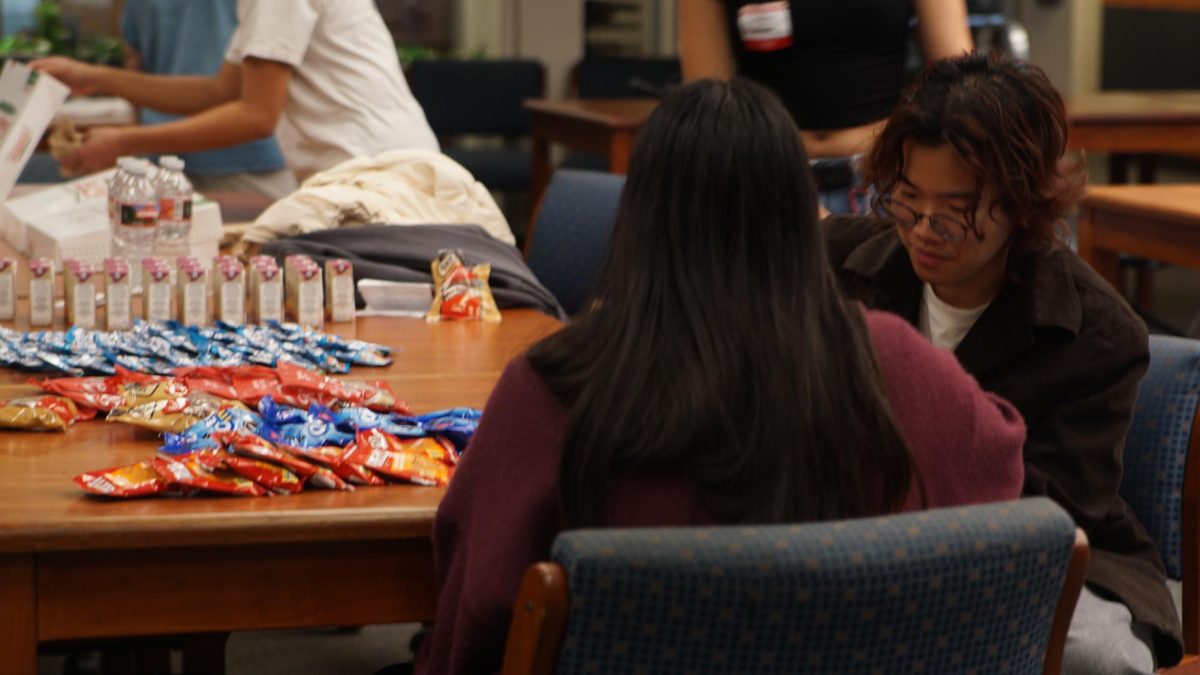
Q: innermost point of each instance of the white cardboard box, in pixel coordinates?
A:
(70, 220)
(28, 101)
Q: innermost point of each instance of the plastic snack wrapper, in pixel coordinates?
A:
(271, 476)
(172, 415)
(461, 292)
(412, 460)
(296, 382)
(39, 413)
(193, 471)
(255, 447)
(135, 480)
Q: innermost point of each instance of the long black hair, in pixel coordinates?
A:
(717, 345)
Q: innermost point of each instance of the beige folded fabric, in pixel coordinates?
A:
(400, 187)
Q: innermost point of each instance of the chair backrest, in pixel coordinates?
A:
(978, 589)
(570, 233)
(1160, 450)
(613, 77)
(476, 96)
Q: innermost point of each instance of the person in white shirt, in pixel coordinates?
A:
(322, 73)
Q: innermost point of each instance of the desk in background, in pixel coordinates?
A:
(1156, 222)
(602, 126)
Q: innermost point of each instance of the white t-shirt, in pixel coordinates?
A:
(943, 324)
(347, 96)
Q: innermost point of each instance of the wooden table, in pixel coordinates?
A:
(74, 567)
(1157, 222)
(603, 126)
(1128, 123)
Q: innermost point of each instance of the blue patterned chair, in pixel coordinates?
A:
(1161, 482)
(977, 589)
(570, 232)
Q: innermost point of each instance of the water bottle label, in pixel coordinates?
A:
(175, 209)
(139, 214)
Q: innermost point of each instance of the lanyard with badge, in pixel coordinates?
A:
(765, 26)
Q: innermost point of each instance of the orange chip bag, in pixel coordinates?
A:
(271, 476)
(405, 459)
(193, 470)
(356, 473)
(135, 480)
(461, 292)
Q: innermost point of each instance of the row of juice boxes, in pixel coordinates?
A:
(188, 291)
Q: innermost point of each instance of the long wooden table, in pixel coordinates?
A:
(76, 567)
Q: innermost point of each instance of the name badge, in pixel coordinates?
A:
(765, 26)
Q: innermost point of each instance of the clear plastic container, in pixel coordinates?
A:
(174, 192)
(135, 221)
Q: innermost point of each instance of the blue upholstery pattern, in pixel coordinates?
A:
(573, 225)
(947, 591)
(1156, 447)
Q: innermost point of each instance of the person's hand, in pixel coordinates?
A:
(82, 78)
(101, 148)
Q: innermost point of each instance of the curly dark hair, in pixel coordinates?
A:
(1007, 122)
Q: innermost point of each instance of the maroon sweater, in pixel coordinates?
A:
(501, 512)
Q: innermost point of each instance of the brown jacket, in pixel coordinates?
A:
(1068, 352)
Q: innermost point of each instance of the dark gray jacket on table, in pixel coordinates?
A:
(1068, 352)
(404, 252)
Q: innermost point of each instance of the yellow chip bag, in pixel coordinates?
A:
(461, 292)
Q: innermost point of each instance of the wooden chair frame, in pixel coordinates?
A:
(540, 616)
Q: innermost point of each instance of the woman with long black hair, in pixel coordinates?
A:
(719, 377)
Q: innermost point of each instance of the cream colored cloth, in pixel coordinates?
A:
(401, 187)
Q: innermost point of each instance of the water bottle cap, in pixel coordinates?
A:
(171, 162)
(137, 167)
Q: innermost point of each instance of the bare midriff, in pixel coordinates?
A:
(846, 142)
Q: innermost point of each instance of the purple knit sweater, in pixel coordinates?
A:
(501, 513)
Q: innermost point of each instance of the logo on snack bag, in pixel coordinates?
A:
(765, 26)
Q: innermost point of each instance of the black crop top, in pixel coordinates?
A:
(839, 64)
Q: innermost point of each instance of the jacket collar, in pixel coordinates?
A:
(1040, 296)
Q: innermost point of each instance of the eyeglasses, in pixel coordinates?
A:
(947, 227)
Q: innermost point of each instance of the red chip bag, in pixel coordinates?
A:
(96, 393)
(191, 470)
(256, 447)
(271, 476)
(135, 480)
(356, 473)
(304, 386)
(404, 459)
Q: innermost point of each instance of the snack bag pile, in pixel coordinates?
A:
(254, 431)
(159, 348)
(460, 291)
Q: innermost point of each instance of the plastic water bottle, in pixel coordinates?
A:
(135, 223)
(116, 184)
(174, 208)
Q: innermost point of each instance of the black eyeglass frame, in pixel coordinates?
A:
(944, 225)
